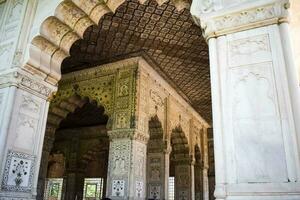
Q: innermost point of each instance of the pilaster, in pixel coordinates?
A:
(255, 99)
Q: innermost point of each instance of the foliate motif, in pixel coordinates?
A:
(18, 173)
(120, 156)
(155, 173)
(250, 45)
(139, 185)
(122, 120)
(183, 195)
(100, 89)
(123, 88)
(154, 192)
(38, 87)
(156, 98)
(28, 104)
(118, 187)
(238, 20)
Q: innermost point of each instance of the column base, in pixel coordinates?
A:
(263, 191)
(16, 196)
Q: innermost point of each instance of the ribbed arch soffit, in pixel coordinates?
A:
(70, 21)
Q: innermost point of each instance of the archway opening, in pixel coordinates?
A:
(76, 167)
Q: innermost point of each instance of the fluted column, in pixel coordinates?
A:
(255, 98)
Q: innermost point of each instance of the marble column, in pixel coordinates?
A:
(47, 147)
(205, 183)
(126, 177)
(198, 182)
(255, 98)
(184, 180)
(158, 163)
(23, 108)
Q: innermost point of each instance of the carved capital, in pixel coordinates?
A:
(132, 134)
(239, 16)
(31, 83)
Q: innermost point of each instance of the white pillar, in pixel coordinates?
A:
(24, 108)
(255, 99)
(126, 177)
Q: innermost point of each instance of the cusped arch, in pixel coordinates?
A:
(180, 144)
(59, 111)
(198, 156)
(71, 20)
(156, 131)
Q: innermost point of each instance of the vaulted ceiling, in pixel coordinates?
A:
(166, 38)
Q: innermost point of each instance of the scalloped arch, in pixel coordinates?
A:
(70, 21)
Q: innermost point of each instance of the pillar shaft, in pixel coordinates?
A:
(184, 181)
(158, 174)
(198, 182)
(23, 99)
(126, 168)
(255, 98)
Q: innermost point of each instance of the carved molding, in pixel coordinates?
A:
(128, 133)
(28, 82)
(242, 17)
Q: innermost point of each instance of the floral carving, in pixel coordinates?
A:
(118, 187)
(18, 174)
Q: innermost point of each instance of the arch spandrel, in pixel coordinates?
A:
(112, 86)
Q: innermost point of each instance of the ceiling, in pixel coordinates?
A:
(166, 38)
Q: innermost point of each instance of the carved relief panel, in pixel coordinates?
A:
(27, 123)
(120, 157)
(252, 73)
(183, 181)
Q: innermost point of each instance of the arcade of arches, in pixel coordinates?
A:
(156, 99)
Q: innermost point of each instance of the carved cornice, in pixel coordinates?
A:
(242, 17)
(100, 71)
(28, 82)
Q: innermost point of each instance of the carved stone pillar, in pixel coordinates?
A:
(184, 180)
(126, 177)
(198, 182)
(205, 184)
(158, 163)
(23, 108)
(255, 98)
(47, 147)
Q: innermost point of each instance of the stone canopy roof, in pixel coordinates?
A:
(168, 39)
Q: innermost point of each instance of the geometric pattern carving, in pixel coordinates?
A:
(18, 172)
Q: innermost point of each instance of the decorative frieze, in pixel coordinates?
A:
(238, 18)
